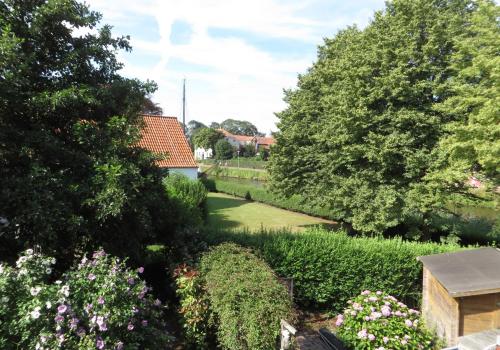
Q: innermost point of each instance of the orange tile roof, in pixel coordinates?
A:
(266, 140)
(165, 135)
(240, 138)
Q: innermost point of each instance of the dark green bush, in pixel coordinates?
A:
(246, 299)
(330, 267)
(261, 194)
(188, 197)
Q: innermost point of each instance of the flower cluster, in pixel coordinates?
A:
(101, 304)
(376, 320)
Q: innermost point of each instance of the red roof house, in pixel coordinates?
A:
(162, 135)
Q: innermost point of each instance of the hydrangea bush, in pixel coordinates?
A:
(376, 320)
(100, 304)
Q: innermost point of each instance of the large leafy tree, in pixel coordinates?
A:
(240, 127)
(472, 142)
(207, 138)
(193, 126)
(359, 131)
(71, 176)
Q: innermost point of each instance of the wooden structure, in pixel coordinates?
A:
(461, 292)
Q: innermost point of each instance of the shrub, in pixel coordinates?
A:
(194, 307)
(246, 299)
(223, 149)
(376, 320)
(99, 304)
(188, 197)
(330, 267)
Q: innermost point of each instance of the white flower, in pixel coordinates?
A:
(53, 261)
(23, 272)
(5, 299)
(58, 282)
(37, 346)
(65, 291)
(29, 251)
(35, 290)
(48, 270)
(48, 304)
(35, 313)
(21, 260)
(1, 268)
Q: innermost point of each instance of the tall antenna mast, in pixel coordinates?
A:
(184, 105)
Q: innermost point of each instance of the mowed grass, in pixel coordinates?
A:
(225, 211)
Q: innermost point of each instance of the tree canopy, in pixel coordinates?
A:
(192, 128)
(223, 149)
(240, 127)
(361, 131)
(207, 138)
(71, 175)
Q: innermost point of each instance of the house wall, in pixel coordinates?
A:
(191, 173)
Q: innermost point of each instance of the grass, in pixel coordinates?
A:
(230, 212)
(240, 173)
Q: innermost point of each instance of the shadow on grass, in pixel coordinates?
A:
(215, 205)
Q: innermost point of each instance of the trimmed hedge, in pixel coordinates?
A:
(239, 173)
(245, 298)
(261, 194)
(330, 267)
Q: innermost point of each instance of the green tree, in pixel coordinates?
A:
(240, 127)
(472, 143)
(71, 176)
(193, 127)
(151, 108)
(207, 138)
(359, 132)
(223, 149)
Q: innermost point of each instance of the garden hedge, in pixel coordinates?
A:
(245, 298)
(329, 267)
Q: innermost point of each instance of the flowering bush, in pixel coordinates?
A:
(376, 320)
(194, 306)
(98, 305)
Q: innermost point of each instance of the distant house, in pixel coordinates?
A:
(200, 153)
(242, 140)
(162, 135)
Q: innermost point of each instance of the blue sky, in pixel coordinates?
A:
(237, 56)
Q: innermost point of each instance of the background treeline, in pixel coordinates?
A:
(392, 119)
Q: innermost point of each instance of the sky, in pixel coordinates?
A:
(236, 56)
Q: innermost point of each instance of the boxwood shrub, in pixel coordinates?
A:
(330, 267)
(246, 300)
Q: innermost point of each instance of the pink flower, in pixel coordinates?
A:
(408, 323)
(371, 337)
(372, 298)
(378, 292)
(130, 326)
(340, 320)
(91, 277)
(375, 315)
(404, 342)
(353, 313)
(99, 343)
(157, 302)
(140, 269)
(62, 309)
(365, 292)
(385, 340)
(144, 323)
(367, 318)
(130, 281)
(119, 346)
(362, 334)
(386, 310)
(100, 300)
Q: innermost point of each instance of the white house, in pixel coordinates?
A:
(164, 135)
(201, 153)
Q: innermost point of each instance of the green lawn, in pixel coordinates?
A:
(232, 212)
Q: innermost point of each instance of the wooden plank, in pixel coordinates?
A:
(478, 341)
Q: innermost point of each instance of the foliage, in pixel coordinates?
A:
(330, 267)
(194, 307)
(261, 194)
(247, 150)
(151, 108)
(98, 304)
(377, 320)
(246, 299)
(188, 198)
(192, 128)
(206, 138)
(359, 133)
(473, 140)
(240, 127)
(223, 149)
(71, 178)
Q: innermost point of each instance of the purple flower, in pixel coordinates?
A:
(100, 300)
(130, 326)
(386, 310)
(88, 307)
(91, 277)
(99, 343)
(62, 308)
(157, 302)
(140, 269)
(365, 292)
(408, 323)
(59, 318)
(73, 323)
(371, 337)
(80, 332)
(141, 295)
(119, 346)
(362, 334)
(144, 323)
(367, 318)
(385, 340)
(340, 320)
(130, 281)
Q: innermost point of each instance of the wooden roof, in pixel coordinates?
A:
(466, 273)
(165, 135)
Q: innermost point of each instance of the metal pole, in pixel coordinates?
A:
(184, 105)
